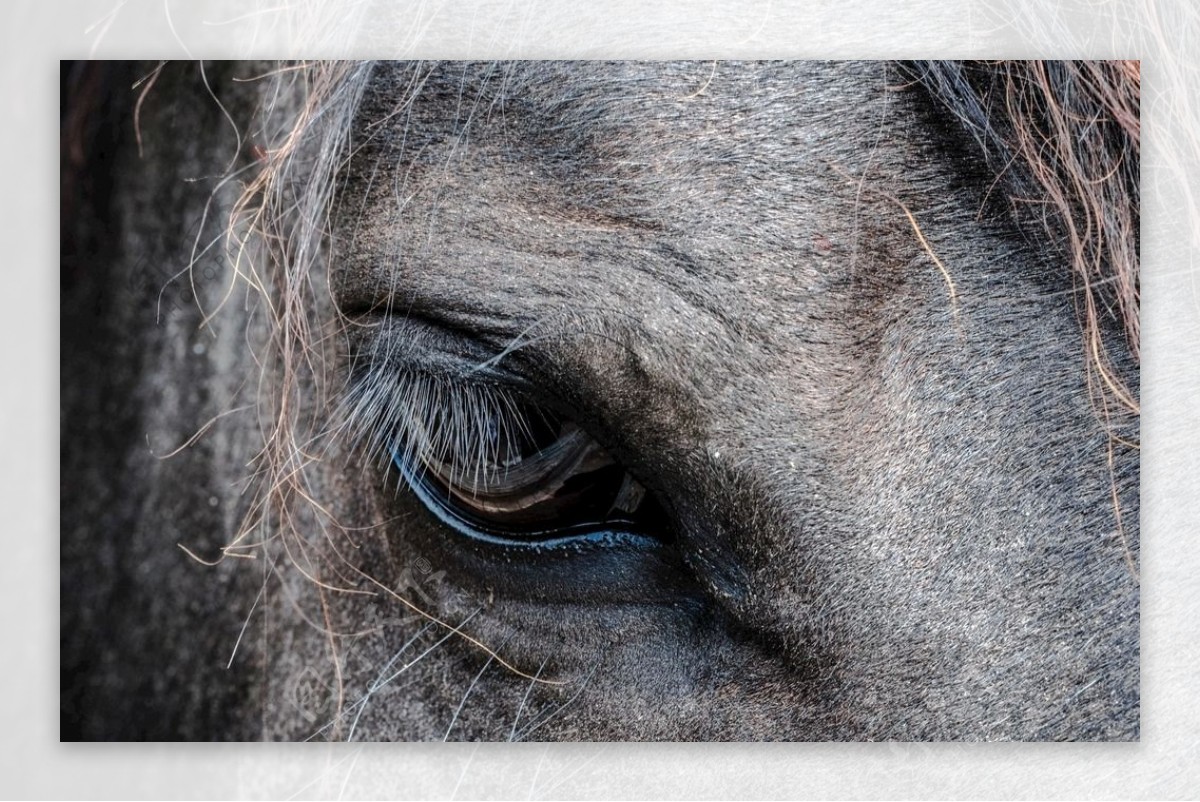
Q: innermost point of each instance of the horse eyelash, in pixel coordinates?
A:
(417, 417)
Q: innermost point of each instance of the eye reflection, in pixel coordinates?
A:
(490, 465)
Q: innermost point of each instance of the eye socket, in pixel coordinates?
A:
(497, 468)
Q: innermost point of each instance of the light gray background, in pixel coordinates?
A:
(1166, 36)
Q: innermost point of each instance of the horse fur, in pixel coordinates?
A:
(870, 342)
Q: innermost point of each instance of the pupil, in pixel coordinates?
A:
(540, 429)
(528, 432)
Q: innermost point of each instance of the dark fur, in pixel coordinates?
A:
(788, 296)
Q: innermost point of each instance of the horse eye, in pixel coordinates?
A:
(498, 469)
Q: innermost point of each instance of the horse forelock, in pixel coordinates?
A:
(1063, 139)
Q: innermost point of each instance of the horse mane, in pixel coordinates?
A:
(1063, 139)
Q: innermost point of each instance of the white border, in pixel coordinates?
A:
(1164, 36)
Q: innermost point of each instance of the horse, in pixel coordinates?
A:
(599, 401)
